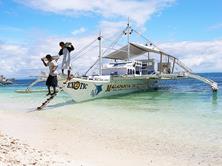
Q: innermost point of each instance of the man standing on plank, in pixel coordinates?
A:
(52, 78)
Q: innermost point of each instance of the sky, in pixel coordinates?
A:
(29, 29)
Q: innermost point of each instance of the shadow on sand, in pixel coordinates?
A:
(50, 107)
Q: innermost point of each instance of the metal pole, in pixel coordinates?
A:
(128, 39)
(161, 57)
(173, 65)
(100, 54)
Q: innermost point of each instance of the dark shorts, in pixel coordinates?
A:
(52, 81)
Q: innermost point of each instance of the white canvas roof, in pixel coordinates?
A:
(135, 50)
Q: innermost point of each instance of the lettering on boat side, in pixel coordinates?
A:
(77, 85)
(113, 87)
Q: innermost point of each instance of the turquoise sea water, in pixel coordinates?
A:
(190, 95)
(186, 99)
(184, 117)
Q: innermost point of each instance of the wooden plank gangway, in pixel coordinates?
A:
(46, 102)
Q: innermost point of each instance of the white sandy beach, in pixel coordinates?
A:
(13, 152)
(83, 134)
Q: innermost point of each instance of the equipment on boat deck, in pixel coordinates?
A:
(5, 81)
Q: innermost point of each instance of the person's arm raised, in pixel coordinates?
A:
(43, 61)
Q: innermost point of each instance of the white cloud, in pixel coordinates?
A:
(10, 57)
(138, 11)
(215, 27)
(110, 27)
(200, 56)
(111, 30)
(15, 58)
(24, 60)
(78, 31)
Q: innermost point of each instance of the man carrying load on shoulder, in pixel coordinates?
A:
(65, 50)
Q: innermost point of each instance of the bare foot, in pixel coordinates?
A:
(48, 94)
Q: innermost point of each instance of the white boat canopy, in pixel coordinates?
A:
(139, 49)
(135, 50)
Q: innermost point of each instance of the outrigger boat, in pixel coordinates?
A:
(128, 72)
(5, 81)
(41, 78)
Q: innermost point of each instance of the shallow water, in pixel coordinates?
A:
(175, 102)
(183, 117)
(182, 96)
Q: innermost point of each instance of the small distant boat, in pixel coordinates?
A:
(128, 72)
(5, 81)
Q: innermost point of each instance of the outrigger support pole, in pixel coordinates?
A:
(173, 65)
(40, 79)
(210, 82)
(161, 60)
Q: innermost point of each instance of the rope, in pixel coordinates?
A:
(92, 66)
(83, 53)
(117, 35)
(86, 49)
(146, 39)
(115, 41)
(83, 49)
(113, 44)
(111, 47)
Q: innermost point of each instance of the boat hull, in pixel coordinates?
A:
(83, 90)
